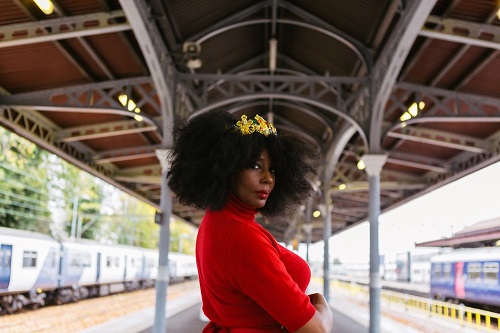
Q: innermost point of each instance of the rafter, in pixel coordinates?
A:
(63, 28)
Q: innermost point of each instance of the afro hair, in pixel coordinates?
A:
(208, 151)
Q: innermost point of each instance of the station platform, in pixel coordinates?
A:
(350, 315)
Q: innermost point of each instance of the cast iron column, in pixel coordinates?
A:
(374, 165)
(162, 280)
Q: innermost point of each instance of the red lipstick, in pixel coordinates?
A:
(263, 194)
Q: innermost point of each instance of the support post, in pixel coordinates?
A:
(74, 218)
(327, 233)
(162, 280)
(374, 165)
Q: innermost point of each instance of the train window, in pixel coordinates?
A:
(437, 270)
(491, 272)
(112, 261)
(474, 271)
(447, 271)
(5, 256)
(86, 259)
(29, 258)
(74, 259)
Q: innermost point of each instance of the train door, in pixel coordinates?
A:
(98, 267)
(5, 265)
(125, 269)
(459, 280)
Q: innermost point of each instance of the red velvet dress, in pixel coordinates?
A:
(249, 283)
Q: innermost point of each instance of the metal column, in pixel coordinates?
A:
(327, 233)
(160, 322)
(374, 165)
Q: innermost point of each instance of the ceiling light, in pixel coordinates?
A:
(138, 118)
(405, 116)
(316, 213)
(342, 187)
(131, 105)
(46, 6)
(413, 110)
(194, 63)
(192, 52)
(361, 165)
(123, 99)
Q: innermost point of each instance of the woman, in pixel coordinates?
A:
(236, 169)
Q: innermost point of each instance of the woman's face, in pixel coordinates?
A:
(254, 184)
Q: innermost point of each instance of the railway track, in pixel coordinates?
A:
(74, 317)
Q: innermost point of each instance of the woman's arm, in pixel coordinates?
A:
(322, 321)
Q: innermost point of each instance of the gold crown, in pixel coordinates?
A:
(258, 124)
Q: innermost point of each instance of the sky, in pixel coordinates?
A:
(435, 215)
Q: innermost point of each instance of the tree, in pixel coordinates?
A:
(23, 186)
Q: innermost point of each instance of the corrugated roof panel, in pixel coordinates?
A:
(358, 18)
(473, 10)
(108, 47)
(37, 66)
(318, 52)
(196, 15)
(487, 80)
(12, 14)
(228, 50)
(435, 57)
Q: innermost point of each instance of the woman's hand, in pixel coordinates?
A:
(322, 321)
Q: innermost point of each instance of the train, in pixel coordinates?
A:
(469, 276)
(36, 269)
(411, 267)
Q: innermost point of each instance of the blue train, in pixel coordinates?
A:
(470, 276)
(36, 270)
(467, 276)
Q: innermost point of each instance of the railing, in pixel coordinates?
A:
(457, 313)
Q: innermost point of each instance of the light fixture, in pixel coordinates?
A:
(273, 49)
(498, 13)
(342, 187)
(192, 52)
(194, 63)
(412, 111)
(316, 213)
(131, 106)
(361, 165)
(46, 6)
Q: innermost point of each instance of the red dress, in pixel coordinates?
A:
(249, 283)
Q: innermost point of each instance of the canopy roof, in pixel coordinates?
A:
(338, 73)
(481, 234)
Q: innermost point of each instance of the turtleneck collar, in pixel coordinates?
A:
(237, 207)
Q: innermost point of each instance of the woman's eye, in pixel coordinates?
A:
(256, 166)
(271, 170)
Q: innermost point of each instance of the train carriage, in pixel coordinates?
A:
(35, 269)
(29, 267)
(467, 275)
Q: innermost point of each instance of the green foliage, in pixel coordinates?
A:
(182, 237)
(43, 193)
(23, 191)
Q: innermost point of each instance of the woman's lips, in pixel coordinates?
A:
(263, 194)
